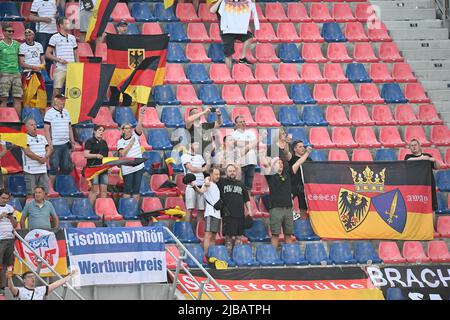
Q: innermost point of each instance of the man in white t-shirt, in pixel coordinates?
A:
(7, 224)
(213, 219)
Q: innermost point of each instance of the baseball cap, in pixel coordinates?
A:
(122, 23)
(60, 96)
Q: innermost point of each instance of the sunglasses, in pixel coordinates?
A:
(9, 30)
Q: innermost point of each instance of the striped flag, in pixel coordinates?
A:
(99, 19)
(16, 133)
(91, 172)
(12, 161)
(34, 94)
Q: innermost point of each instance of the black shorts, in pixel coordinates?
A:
(301, 200)
(233, 226)
(229, 39)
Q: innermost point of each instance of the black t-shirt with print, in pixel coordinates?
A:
(234, 195)
(96, 147)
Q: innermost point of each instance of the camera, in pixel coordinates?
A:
(213, 109)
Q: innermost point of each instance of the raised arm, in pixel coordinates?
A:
(60, 282)
(140, 118)
(301, 160)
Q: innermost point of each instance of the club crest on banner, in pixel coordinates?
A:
(135, 57)
(46, 245)
(391, 207)
(352, 208)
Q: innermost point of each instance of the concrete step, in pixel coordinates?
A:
(431, 44)
(419, 34)
(442, 106)
(435, 84)
(430, 65)
(401, 13)
(426, 54)
(405, 4)
(436, 75)
(413, 24)
(439, 95)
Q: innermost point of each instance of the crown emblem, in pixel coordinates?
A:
(368, 181)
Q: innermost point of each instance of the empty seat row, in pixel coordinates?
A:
(413, 252)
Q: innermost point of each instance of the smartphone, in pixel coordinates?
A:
(213, 109)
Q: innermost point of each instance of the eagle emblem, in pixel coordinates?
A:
(135, 57)
(352, 208)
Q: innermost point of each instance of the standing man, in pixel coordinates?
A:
(86, 10)
(38, 211)
(7, 224)
(234, 20)
(59, 134)
(300, 156)
(35, 158)
(62, 49)
(9, 70)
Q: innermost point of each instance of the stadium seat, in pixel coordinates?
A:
(323, 94)
(259, 186)
(254, 94)
(183, 231)
(156, 180)
(153, 164)
(390, 137)
(243, 256)
(414, 253)
(313, 116)
(232, 94)
(124, 115)
(214, 33)
(197, 251)
(110, 28)
(275, 12)
(356, 73)
(342, 12)
(105, 207)
(447, 157)
(379, 72)
(220, 252)
(296, 12)
(435, 153)
(186, 95)
(242, 73)
(392, 93)
(159, 139)
(338, 155)
(301, 94)
(197, 74)
(62, 209)
(265, 33)
(111, 138)
(258, 232)
(133, 224)
(226, 121)
(151, 204)
(101, 51)
(312, 52)
(264, 73)
(438, 251)
(151, 119)
(196, 53)
(265, 53)
(205, 15)
(175, 74)
(298, 134)
(209, 94)
(388, 52)
(368, 93)
(354, 32)
(337, 53)
(303, 230)
(287, 73)
(402, 72)
(27, 113)
(197, 32)
(310, 73)
(361, 154)
(318, 155)
(364, 11)
(86, 224)
(25, 9)
(440, 135)
(121, 12)
(15, 203)
(65, 186)
(245, 113)
(163, 95)
(335, 116)
(320, 139)
(83, 134)
(443, 181)
(84, 51)
(389, 252)
(289, 53)
(365, 137)
(104, 118)
(428, 115)
(415, 93)
(333, 73)
(219, 73)
(346, 93)
(378, 32)
(404, 115)
(277, 94)
(288, 116)
(309, 32)
(342, 138)
(142, 12)
(9, 12)
(166, 15)
(340, 253)
(128, 208)
(261, 16)
(82, 209)
(171, 117)
(316, 254)
(365, 253)
(319, 13)
(385, 155)
(286, 32)
(9, 115)
(331, 32)
(416, 132)
(238, 47)
(186, 12)
(175, 53)
(292, 255)
(394, 294)
(267, 255)
(443, 225)
(359, 116)
(265, 117)
(382, 114)
(363, 52)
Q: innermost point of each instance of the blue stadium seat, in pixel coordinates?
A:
(65, 224)
(113, 224)
(197, 251)
(16, 186)
(289, 53)
(298, 134)
(340, 253)
(243, 256)
(176, 32)
(258, 232)
(220, 252)
(82, 209)
(175, 53)
(163, 95)
(318, 155)
(292, 255)
(303, 230)
(162, 14)
(145, 189)
(442, 204)
(209, 94)
(215, 52)
(332, 33)
(288, 116)
(159, 139)
(142, 12)
(172, 118)
(394, 294)
(154, 162)
(356, 73)
(166, 236)
(301, 94)
(313, 116)
(385, 155)
(197, 74)
(128, 208)
(65, 186)
(183, 231)
(62, 209)
(365, 253)
(15, 203)
(124, 115)
(83, 134)
(9, 12)
(266, 255)
(316, 254)
(35, 114)
(226, 121)
(392, 93)
(133, 29)
(46, 77)
(443, 180)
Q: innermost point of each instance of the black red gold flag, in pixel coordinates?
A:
(34, 92)
(91, 172)
(12, 162)
(16, 133)
(99, 19)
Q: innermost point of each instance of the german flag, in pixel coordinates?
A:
(12, 162)
(91, 172)
(86, 88)
(16, 133)
(34, 92)
(99, 19)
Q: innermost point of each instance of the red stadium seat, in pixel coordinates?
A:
(78, 160)
(19, 31)
(368, 93)
(335, 116)
(342, 138)
(214, 32)
(133, 224)
(362, 155)
(110, 28)
(365, 137)
(261, 16)
(186, 95)
(101, 51)
(416, 132)
(72, 12)
(333, 73)
(259, 186)
(197, 32)
(438, 251)
(277, 94)
(232, 94)
(104, 118)
(205, 15)
(86, 224)
(112, 137)
(242, 73)
(402, 73)
(186, 12)
(404, 114)
(156, 180)
(337, 52)
(338, 155)
(179, 181)
(172, 262)
(354, 32)
(312, 52)
(323, 94)
(265, 33)
(310, 73)
(342, 12)
(172, 202)
(219, 73)
(415, 94)
(363, 52)
(9, 115)
(245, 113)
(319, 13)
(359, 116)
(414, 253)
(196, 53)
(287, 73)
(378, 32)
(265, 117)
(238, 46)
(121, 12)
(428, 114)
(346, 93)
(105, 207)
(296, 12)
(265, 52)
(275, 12)
(151, 119)
(254, 94)
(25, 9)
(264, 73)
(175, 74)
(286, 32)
(262, 212)
(390, 137)
(388, 52)
(257, 214)
(443, 226)
(379, 72)
(151, 204)
(440, 135)
(364, 11)
(389, 252)
(309, 32)
(402, 153)
(319, 138)
(435, 153)
(382, 115)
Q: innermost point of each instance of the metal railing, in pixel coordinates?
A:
(184, 253)
(443, 8)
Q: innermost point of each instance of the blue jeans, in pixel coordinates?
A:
(247, 173)
(60, 160)
(132, 182)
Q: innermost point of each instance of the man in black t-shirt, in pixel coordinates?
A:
(235, 196)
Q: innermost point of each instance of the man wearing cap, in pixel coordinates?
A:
(59, 134)
(9, 69)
